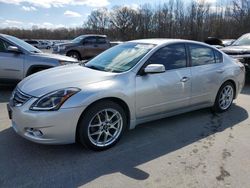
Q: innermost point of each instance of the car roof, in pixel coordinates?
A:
(3, 35)
(161, 41)
(158, 41)
(93, 35)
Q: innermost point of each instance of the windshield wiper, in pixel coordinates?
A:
(94, 67)
(34, 51)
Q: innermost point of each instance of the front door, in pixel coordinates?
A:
(164, 92)
(11, 63)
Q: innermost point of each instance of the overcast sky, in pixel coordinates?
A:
(56, 13)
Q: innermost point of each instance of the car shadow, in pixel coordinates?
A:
(29, 164)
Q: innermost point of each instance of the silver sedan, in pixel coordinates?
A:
(129, 84)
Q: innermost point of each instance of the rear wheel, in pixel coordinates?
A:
(102, 125)
(74, 54)
(224, 98)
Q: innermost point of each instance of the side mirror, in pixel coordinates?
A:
(13, 49)
(154, 68)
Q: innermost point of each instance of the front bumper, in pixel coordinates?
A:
(46, 127)
(56, 50)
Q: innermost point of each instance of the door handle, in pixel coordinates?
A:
(184, 79)
(220, 71)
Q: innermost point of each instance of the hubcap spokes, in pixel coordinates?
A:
(105, 127)
(226, 97)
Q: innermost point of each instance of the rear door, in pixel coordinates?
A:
(206, 69)
(11, 64)
(89, 47)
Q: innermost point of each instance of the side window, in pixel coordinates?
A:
(90, 40)
(172, 57)
(101, 40)
(201, 55)
(3, 46)
(218, 56)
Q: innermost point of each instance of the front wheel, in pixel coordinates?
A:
(102, 125)
(224, 98)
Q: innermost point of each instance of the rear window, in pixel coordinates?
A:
(101, 40)
(201, 55)
(218, 56)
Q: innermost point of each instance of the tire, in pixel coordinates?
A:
(110, 129)
(224, 98)
(74, 54)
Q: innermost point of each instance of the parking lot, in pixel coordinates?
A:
(196, 149)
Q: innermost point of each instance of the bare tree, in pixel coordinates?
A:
(98, 20)
(196, 20)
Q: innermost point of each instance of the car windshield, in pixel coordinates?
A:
(23, 44)
(77, 39)
(120, 58)
(243, 41)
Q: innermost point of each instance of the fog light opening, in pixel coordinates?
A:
(34, 132)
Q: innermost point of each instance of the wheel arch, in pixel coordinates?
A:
(74, 50)
(34, 67)
(116, 100)
(234, 86)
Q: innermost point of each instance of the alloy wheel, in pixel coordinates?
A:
(105, 127)
(226, 97)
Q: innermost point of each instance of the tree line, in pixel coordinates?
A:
(195, 20)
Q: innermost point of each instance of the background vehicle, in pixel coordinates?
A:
(219, 43)
(40, 44)
(215, 42)
(45, 45)
(34, 43)
(90, 103)
(228, 42)
(240, 49)
(84, 46)
(19, 59)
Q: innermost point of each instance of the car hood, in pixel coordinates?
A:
(57, 57)
(236, 49)
(53, 79)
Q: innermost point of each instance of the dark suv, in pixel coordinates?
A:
(84, 46)
(240, 49)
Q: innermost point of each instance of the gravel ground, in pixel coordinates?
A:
(196, 149)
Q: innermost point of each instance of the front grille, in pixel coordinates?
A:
(237, 53)
(233, 53)
(19, 98)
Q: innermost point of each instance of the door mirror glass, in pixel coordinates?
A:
(13, 49)
(154, 68)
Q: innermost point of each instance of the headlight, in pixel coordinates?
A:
(53, 100)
